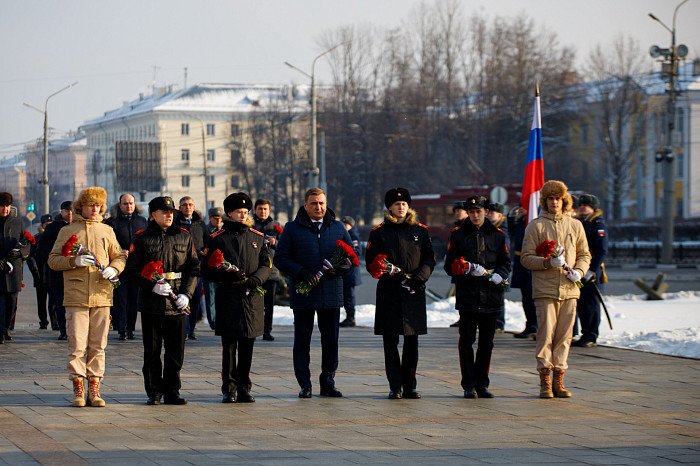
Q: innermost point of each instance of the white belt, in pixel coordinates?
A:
(172, 275)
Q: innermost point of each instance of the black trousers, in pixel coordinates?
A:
(42, 294)
(475, 371)
(529, 306)
(8, 308)
(162, 331)
(349, 301)
(401, 371)
(196, 309)
(270, 287)
(126, 297)
(56, 293)
(588, 311)
(236, 374)
(329, 326)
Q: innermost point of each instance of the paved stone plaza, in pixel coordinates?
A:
(628, 407)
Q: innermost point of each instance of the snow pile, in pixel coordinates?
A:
(671, 326)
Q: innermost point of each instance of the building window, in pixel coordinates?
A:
(186, 154)
(185, 181)
(235, 131)
(210, 155)
(235, 181)
(185, 129)
(210, 181)
(210, 129)
(235, 158)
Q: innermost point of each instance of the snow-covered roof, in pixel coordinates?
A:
(223, 98)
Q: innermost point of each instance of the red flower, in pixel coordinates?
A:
(278, 228)
(460, 266)
(216, 259)
(29, 237)
(546, 248)
(152, 269)
(377, 267)
(68, 246)
(349, 252)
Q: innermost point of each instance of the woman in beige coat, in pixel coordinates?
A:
(88, 291)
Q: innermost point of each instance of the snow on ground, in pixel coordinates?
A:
(671, 326)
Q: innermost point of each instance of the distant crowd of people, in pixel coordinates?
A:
(92, 274)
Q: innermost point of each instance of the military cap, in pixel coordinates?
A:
(476, 202)
(216, 212)
(237, 201)
(395, 195)
(161, 203)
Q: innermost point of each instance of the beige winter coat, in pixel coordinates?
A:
(549, 282)
(84, 286)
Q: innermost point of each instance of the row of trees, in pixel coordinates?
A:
(446, 100)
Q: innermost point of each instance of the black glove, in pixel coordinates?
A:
(14, 255)
(237, 276)
(308, 277)
(415, 284)
(37, 278)
(252, 282)
(332, 273)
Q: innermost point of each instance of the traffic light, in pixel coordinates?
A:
(31, 207)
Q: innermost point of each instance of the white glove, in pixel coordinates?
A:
(478, 271)
(109, 273)
(574, 275)
(557, 261)
(182, 301)
(163, 289)
(496, 279)
(590, 275)
(84, 261)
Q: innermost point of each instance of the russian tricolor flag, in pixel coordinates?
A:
(534, 167)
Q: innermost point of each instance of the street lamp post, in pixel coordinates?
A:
(313, 172)
(665, 154)
(45, 178)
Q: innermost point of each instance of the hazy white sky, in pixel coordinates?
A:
(111, 46)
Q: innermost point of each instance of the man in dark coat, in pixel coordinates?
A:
(12, 254)
(352, 278)
(495, 214)
(191, 220)
(521, 277)
(163, 305)
(400, 308)
(126, 222)
(302, 246)
(481, 250)
(239, 294)
(216, 222)
(38, 272)
(54, 278)
(264, 223)
(588, 305)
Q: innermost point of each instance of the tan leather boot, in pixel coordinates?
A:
(558, 385)
(94, 392)
(545, 384)
(78, 392)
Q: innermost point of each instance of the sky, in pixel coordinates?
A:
(115, 49)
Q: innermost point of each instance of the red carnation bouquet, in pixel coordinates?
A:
(153, 271)
(73, 248)
(217, 261)
(26, 239)
(381, 266)
(278, 230)
(548, 249)
(343, 257)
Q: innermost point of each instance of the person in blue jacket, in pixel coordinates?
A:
(301, 249)
(588, 305)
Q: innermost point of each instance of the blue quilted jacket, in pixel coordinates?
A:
(302, 246)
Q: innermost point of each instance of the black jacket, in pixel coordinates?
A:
(124, 228)
(12, 232)
(174, 248)
(353, 277)
(597, 236)
(35, 267)
(521, 277)
(44, 247)
(487, 247)
(270, 229)
(408, 246)
(239, 314)
(198, 229)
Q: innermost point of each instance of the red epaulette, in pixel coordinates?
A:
(421, 225)
(140, 231)
(381, 224)
(256, 232)
(500, 230)
(455, 228)
(216, 233)
(184, 229)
